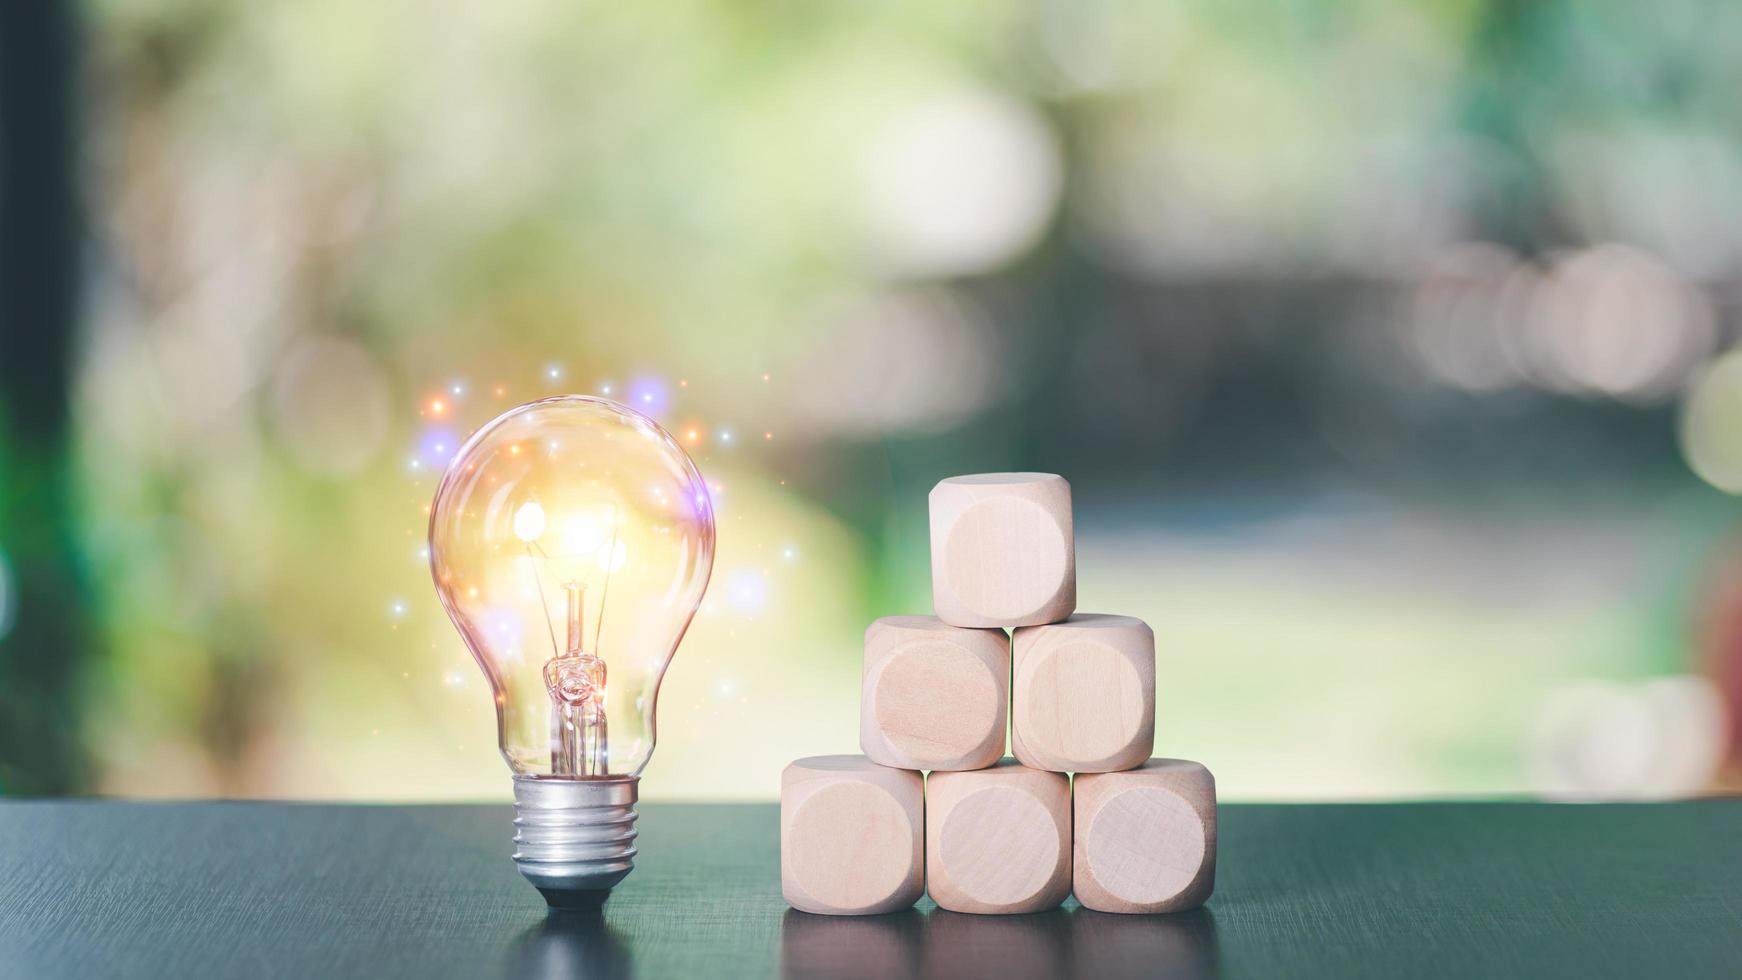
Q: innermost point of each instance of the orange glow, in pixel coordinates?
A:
(437, 406)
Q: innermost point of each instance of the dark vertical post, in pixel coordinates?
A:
(40, 236)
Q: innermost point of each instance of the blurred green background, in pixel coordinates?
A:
(1387, 348)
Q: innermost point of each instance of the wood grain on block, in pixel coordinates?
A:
(1146, 838)
(934, 696)
(1003, 552)
(998, 840)
(1083, 694)
(851, 836)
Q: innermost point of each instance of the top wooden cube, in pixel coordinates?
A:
(1003, 551)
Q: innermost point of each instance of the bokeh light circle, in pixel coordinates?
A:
(1711, 424)
(960, 184)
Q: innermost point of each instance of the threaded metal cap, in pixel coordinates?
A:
(574, 839)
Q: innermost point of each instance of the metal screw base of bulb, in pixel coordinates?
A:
(574, 839)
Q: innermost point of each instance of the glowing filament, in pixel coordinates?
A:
(529, 521)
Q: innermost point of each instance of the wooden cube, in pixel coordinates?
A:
(1083, 694)
(934, 696)
(851, 836)
(1003, 552)
(1145, 838)
(998, 840)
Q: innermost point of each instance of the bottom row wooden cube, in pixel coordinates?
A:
(850, 836)
(857, 838)
(998, 840)
(1145, 838)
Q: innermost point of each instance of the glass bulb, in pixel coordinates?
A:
(571, 541)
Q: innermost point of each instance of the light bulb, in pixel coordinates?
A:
(571, 541)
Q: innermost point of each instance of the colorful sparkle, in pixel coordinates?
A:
(747, 591)
(436, 445)
(648, 395)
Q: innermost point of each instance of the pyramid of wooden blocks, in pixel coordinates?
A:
(1083, 694)
(851, 836)
(861, 835)
(1003, 552)
(998, 840)
(934, 696)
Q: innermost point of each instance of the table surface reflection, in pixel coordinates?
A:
(266, 889)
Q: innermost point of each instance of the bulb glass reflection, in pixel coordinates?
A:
(571, 541)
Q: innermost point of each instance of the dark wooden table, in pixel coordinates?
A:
(92, 889)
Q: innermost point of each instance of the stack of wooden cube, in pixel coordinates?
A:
(1081, 808)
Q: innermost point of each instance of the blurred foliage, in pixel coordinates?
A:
(1238, 270)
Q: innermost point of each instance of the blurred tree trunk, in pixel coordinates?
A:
(39, 253)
